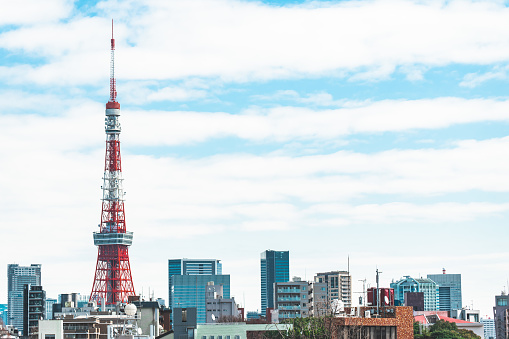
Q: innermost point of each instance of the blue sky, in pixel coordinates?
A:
(370, 129)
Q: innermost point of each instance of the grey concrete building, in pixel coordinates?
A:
(217, 307)
(292, 299)
(339, 286)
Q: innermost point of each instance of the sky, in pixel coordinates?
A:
(355, 134)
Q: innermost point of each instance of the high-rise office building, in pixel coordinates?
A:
(191, 267)
(501, 315)
(409, 284)
(275, 267)
(339, 286)
(187, 283)
(449, 291)
(17, 278)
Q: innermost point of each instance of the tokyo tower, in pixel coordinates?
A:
(112, 282)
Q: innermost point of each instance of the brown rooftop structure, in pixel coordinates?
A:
(394, 323)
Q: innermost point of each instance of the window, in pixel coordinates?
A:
(237, 337)
(49, 336)
(502, 302)
(211, 337)
(184, 315)
(204, 337)
(219, 337)
(227, 337)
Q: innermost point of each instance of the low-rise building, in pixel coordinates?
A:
(239, 330)
(292, 299)
(217, 307)
(429, 318)
(391, 323)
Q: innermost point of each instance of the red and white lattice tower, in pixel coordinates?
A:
(113, 282)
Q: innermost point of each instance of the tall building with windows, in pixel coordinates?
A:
(501, 315)
(275, 267)
(34, 303)
(339, 286)
(49, 308)
(489, 328)
(17, 278)
(425, 285)
(449, 291)
(187, 283)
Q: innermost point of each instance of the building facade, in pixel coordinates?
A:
(49, 308)
(34, 304)
(293, 299)
(320, 304)
(220, 308)
(449, 291)
(17, 278)
(501, 316)
(489, 328)
(339, 286)
(3, 313)
(189, 291)
(425, 285)
(274, 267)
(190, 267)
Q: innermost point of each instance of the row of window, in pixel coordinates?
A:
(221, 337)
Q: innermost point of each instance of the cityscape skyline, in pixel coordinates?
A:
(328, 132)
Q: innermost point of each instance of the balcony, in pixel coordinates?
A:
(283, 307)
(288, 290)
(289, 315)
(288, 299)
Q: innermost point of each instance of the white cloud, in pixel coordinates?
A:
(29, 12)
(472, 80)
(297, 123)
(224, 39)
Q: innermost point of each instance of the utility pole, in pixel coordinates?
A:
(363, 291)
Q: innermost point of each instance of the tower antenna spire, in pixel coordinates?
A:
(112, 103)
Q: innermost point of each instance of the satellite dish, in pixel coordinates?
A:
(386, 299)
(213, 317)
(130, 309)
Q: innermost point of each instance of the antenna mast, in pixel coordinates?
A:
(112, 103)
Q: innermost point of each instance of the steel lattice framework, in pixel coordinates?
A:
(113, 281)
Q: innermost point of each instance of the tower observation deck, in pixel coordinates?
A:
(113, 281)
